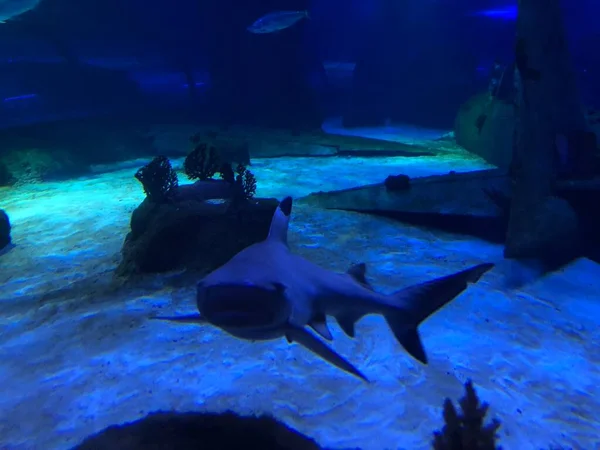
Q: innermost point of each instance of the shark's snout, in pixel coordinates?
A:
(242, 306)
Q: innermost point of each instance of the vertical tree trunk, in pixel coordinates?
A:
(549, 106)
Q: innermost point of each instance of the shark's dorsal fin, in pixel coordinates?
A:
(319, 324)
(280, 221)
(359, 273)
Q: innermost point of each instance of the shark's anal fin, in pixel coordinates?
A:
(319, 324)
(347, 322)
(319, 348)
(191, 318)
(359, 273)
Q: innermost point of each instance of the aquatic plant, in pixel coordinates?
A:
(202, 163)
(465, 430)
(158, 179)
(246, 182)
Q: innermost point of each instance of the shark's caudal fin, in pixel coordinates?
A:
(417, 303)
(281, 220)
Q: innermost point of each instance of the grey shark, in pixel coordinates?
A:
(267, 292)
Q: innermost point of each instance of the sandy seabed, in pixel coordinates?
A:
(79, 354)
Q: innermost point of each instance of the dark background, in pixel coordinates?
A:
(415, 61)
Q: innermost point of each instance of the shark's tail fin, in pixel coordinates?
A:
(416, 303)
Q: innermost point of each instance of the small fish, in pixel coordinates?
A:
(277, 21)
(13, 8)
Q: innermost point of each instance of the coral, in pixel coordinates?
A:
(246, 182)
(158, 179)
(465, 430)
(202, 163)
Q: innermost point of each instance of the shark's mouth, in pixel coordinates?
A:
(243, 306)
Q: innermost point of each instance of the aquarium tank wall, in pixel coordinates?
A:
(299, 224)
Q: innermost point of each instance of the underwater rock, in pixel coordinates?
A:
(190, 232)
(478, 204)
(484, 126)
(554, 234)
(69, 148)
(397, 182)
(32, 165)
(455, 202)
(193, 431)
(4, 229)
(454, 193)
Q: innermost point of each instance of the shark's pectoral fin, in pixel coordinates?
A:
(359, 273)
(312, 343)
(319, 324)
(191, 318)
(347, 322)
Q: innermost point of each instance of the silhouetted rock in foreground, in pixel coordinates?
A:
(199, 431)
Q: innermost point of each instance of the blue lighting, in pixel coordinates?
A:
(506, 13)
(19, 97)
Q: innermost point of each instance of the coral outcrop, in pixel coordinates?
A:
(197, 226)
(158, 179)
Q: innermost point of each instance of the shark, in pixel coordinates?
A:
(268, 292)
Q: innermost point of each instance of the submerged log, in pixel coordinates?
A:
(549, 106)
(475, 203)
